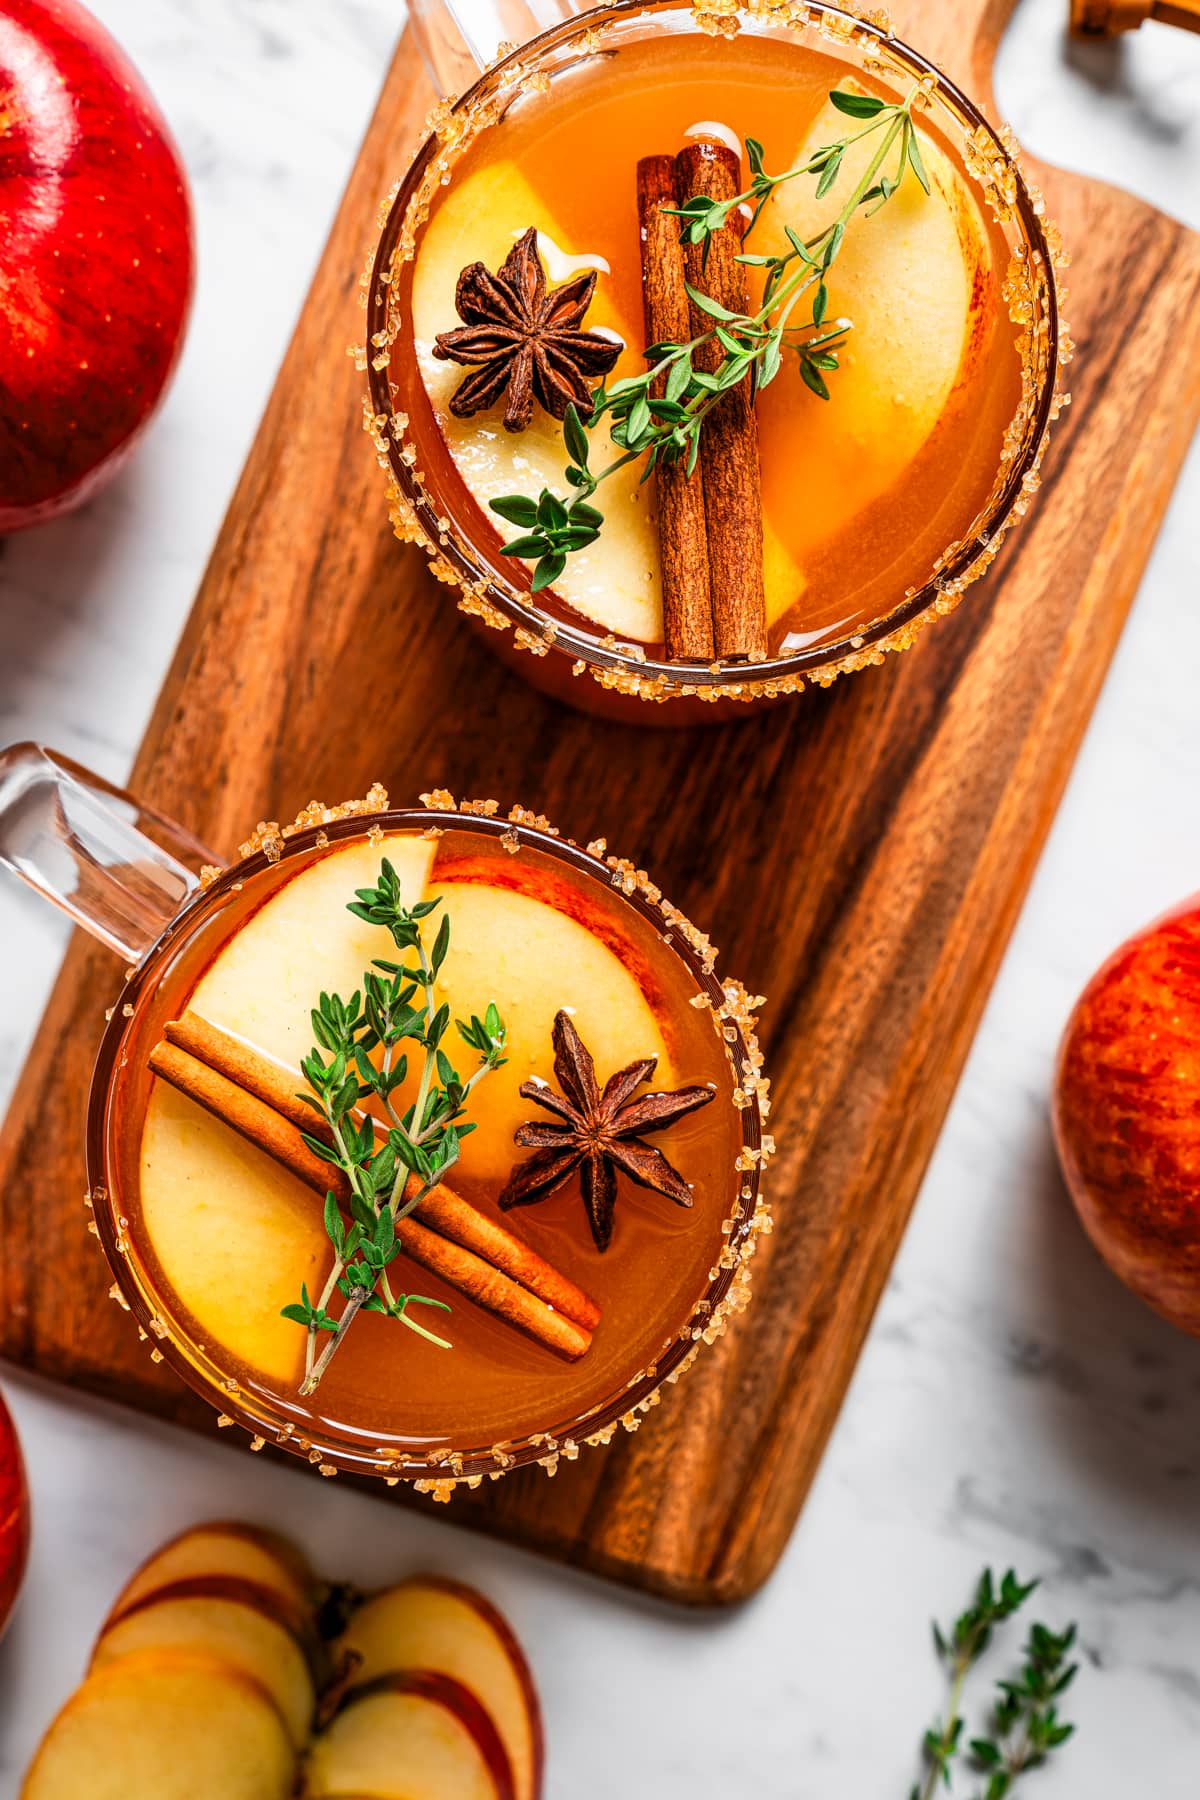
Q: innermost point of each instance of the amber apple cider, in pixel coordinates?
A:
(860, 493)
(224, 1238)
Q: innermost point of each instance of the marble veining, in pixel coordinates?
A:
(1013, 1403)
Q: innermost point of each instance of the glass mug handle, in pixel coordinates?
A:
(459, 38)
(114, 866)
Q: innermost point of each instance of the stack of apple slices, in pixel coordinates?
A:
(203, 1681)
(210, 1678)
(440, 1703)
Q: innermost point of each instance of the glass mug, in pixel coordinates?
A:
(554, 646)
(155, 897)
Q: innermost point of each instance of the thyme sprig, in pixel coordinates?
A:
(667, 427)
(1025, 1722)
(1025, 1726)
(357, 1057)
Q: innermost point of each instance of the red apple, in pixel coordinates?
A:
(14, 1515)
(1127, 1114)
(96, 258)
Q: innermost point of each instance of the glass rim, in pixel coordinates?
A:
(650, 677)
(437, 1469)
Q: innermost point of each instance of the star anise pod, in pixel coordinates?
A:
(600, 1133)
(518, 338)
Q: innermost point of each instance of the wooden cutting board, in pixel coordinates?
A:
(860, 855)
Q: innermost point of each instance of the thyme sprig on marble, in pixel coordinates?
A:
(667, 427)
(389, 1165)
(1024, 1724)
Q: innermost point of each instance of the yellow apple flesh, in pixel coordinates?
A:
(264, 983)
(617, 581)
(239, 1552)
(430, 1624)
(533, 958)
(234, 1235)
(235, 1633)
(906, 278)
(431, 1743)
(174, 1725)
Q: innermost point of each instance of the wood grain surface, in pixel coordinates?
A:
(891, 826)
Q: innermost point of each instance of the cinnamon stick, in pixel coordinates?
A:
(464, 1224)
(249, 1116)
(682, 532)
(472, 1276)
(729, 443)
(239, 1061)
(278, 1088)
(259, 1099)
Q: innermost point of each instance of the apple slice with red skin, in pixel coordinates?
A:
(96, 258)
(542, 881)
(251, 1628)
(436, 1624)
(535, 944)
(226, 1551)
(14, 1515)
(414, 1735)
(174, 1725)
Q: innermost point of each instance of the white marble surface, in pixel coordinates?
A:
(1012, 1404)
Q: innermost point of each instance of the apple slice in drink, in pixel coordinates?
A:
(236, 1624)
(417, 1735)
(173, 1724)
(431, 1623)
(910, 279)
(534, 952)
(234, 1235)
(615, 581)
(264, 983)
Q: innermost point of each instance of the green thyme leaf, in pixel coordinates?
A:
(856, 106)
(516, 509)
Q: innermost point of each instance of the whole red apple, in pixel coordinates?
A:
(14, 1515)
(1127, 1113)
(96, 257)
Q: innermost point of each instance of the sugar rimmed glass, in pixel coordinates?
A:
(170, 1338)
(580, 665)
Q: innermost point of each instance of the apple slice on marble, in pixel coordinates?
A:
(440, 1625)
(236, 1624)
(908, 277)
(173, 1724)
(415, 1735)
(225, 1550)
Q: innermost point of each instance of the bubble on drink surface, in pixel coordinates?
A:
(560, 266)
(713, 131)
